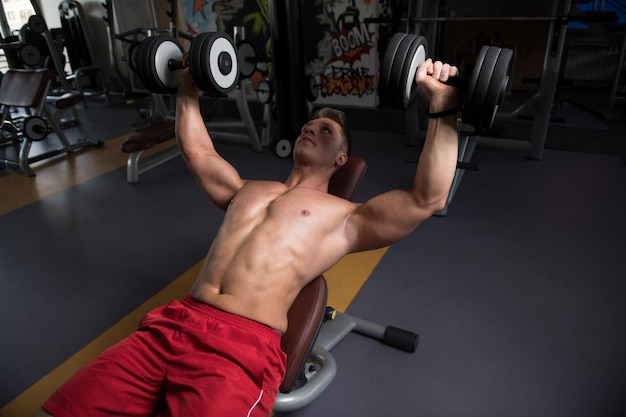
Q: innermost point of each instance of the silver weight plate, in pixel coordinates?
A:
(264, 91)
(34, 128)
(226, 81)
(246, 55)
(283, 148)
(165, 51)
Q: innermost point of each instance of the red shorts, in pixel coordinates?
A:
(186, 359)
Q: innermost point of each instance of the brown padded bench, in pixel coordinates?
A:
(306, 314)
(152, 135)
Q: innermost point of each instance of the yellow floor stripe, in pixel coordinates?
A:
(345, 280)
(58, 174)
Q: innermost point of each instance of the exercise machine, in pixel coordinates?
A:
(27, 90)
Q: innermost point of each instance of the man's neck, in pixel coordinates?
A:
(309, 177)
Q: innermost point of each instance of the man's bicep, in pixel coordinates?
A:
(217, 177)
(384, 220)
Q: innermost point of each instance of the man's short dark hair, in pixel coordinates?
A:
(339, 117)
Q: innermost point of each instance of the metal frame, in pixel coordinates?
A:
(323, 365)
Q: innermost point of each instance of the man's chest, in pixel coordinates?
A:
(278, 205)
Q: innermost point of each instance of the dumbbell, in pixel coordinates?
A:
(483, 91)
(212, 62)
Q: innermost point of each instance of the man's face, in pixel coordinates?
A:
(320, 140)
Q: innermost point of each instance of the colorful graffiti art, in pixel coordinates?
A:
(344, 61)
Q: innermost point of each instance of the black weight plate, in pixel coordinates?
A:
(395, 71)
(472, 111)
(164, 49)
(497, 88)
(400, 61)
(37, 23)
(246, 50)
(30, 55)
(151, 65)
(416, 55)
(140, 60)
(471, 83)
(384, 95)
(147, 65)
(195, 60)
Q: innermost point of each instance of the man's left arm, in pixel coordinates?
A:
(391, 216)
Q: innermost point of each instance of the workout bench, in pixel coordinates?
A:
(152, 135)
(27, 89)
(314, 329)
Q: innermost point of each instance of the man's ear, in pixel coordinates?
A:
(341, 159)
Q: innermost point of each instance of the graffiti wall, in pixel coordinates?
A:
(340, 49)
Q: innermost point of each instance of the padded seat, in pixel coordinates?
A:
(150, 136)
(25, 88)
(68, 100)
(306, 314)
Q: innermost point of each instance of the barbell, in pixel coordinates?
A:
(484, 89)
(212, 63)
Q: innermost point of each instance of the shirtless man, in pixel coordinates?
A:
(218, 351)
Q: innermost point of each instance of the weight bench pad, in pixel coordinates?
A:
(150, 136)
(307, 311)
(67, 100)
(25, 88)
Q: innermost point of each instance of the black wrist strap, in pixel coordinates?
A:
(444, 113)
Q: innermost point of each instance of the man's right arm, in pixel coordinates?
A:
(217, 178)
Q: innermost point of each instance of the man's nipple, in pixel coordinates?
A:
(305, 213)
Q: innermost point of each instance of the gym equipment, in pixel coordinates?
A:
(483, 91)
(264, 91)
(27, 90)
(541, 103)
(88, 78)
(37, 23)
(248, 59)
(212, 62)
(245, 56)
(152, 135)
(35, 128)
(314, 328)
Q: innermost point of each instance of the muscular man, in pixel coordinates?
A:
(218, 351)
